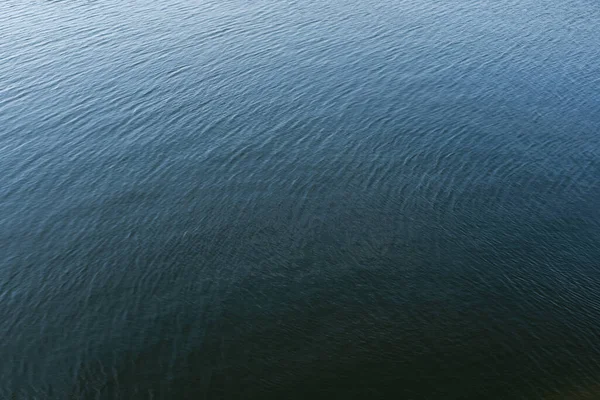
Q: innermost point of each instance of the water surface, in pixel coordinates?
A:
(278, 199)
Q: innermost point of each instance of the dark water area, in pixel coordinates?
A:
(279, 199)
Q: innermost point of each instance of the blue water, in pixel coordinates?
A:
(286, 199)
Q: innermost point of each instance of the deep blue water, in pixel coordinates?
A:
(289, 199)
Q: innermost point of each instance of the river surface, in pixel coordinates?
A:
(287, 199)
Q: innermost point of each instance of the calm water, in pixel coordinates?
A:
(285, 199)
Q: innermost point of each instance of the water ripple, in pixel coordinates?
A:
(202, 199)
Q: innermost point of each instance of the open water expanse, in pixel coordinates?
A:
(296, 199)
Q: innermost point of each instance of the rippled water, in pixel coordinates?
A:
(277, 199)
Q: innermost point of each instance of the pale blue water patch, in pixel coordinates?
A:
(282, 199)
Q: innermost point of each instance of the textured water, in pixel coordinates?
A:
(284, 199)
